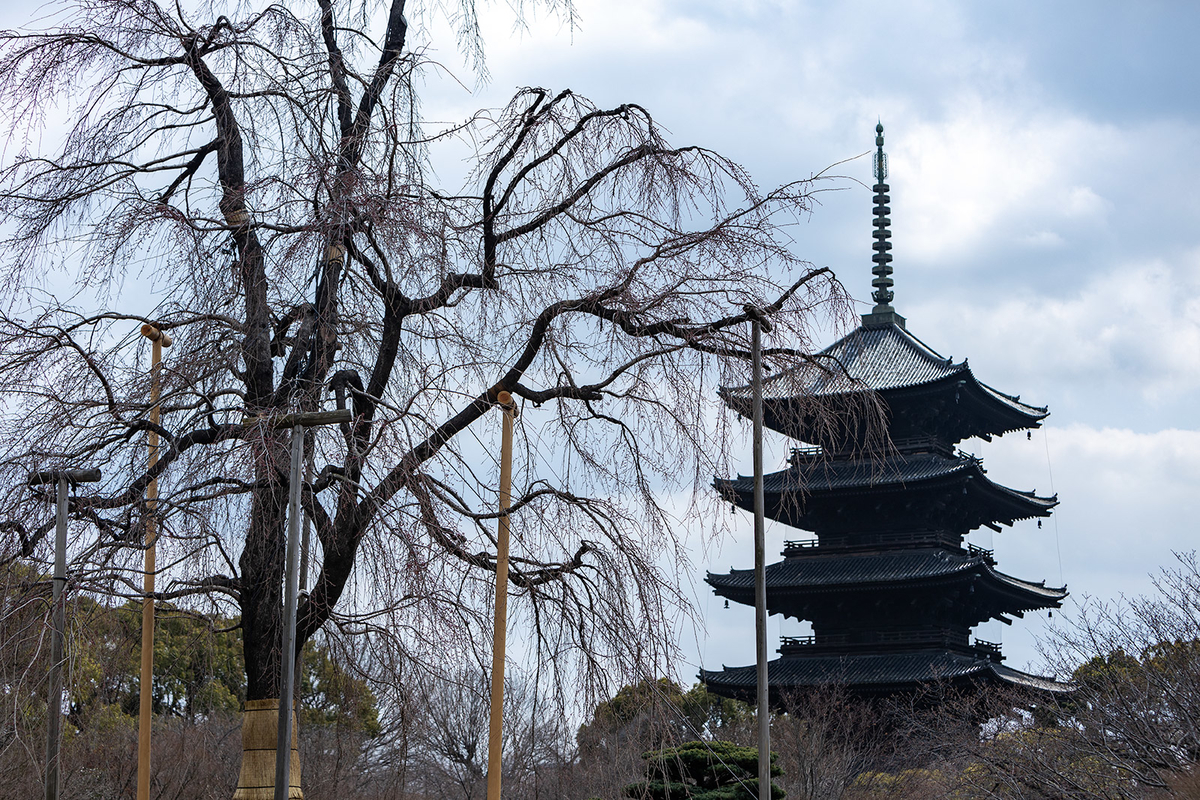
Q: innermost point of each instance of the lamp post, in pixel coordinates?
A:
(159, 339)
(287, 659)
(62, 478)
(759, 322)
(500, 624)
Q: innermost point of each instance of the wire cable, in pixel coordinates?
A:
(1053, 517)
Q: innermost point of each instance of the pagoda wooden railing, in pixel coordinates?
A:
(991, 649)
(936, 636)
(942, 636)
(924, 444)
(979, 552)
(945, 538)
(800, 544)
(907, 445)
(807, 453)
(797, 641)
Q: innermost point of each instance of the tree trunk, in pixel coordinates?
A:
(262, 581)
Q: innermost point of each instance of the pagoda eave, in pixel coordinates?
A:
(791, 590)
(874, 675)
(958, 490)
(905, 374)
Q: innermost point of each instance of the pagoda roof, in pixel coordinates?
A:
(873, 673)
(816, 573)
(793, 492)
(879, 358)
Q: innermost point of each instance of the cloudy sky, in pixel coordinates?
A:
(1043, 165)
(1044, 205)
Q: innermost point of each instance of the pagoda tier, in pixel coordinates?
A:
(856, 594)
(923, 394)
(845, 498)
(874, 675)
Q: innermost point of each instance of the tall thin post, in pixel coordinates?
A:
(58, 616)
(287, 658)
(159, 339)
(287, 653)
(59, 624)
(500, 626)
(760, 575)
(307, 525)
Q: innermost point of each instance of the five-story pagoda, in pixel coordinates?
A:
(890, 587)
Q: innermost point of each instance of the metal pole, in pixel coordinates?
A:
(58, 615)
(287, 659)
(305, 536)
(499, 629)
(159, 339)
(58, 624)
(304, 531)
(287, 653)
(760, 575)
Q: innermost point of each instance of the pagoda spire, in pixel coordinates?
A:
(882, 313)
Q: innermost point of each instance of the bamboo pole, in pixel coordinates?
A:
(159, 339)
(499, 629)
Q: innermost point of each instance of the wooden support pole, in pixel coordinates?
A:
(58, 616)
(287, 654)
(500, 625)
(159, 339)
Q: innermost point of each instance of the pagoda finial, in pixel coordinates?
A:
(882, 313)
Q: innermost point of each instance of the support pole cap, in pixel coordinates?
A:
(758, 315)
(505, 399)
(73, 476)
(156, 334)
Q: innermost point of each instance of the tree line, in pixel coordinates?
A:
(1131, 728)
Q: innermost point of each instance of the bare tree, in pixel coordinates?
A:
(1133, 723)
(1130, 729)
(449, 742)
(264, 169)
(830, 742)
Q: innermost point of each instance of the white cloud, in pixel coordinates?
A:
(1132, 331)
(991, 170)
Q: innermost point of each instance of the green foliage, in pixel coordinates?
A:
(1171, 655)
(703, 771)
(1116, 666)
(197, 662)
(198, 667)
(661, 712)
(332, 696)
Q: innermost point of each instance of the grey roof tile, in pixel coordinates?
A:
(821, 475)
(873, 670)
(848, 569)
(876, 359)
